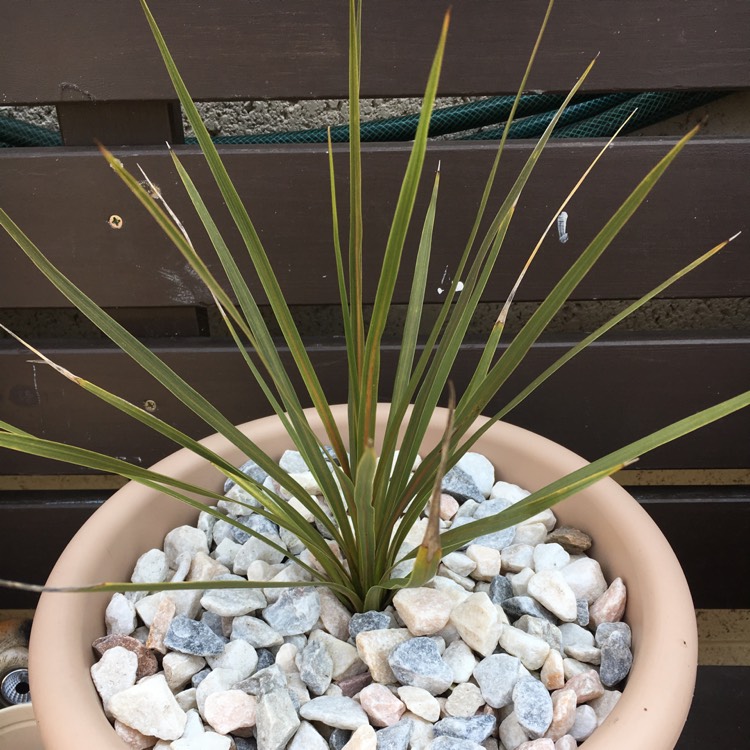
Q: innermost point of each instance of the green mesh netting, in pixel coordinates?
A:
(17, 133)
(588, 116)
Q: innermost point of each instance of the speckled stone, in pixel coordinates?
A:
(338, 738)
(418, 663)
(340, 712)
(315, 667)
(460, 485)
(396, 737)
(496, 676)
(500, 589)
(192, 637)
(150, 708)
(480, 469)
(606, 629)
(265, 680)
(532, 705)
(276, 720)
(518, 606)
(616, 659)
(381, 705)
(453, 743)
(498, 540)
(296, 611)
(250, 469)
(361, 622)
(476, 728)
(147, 664)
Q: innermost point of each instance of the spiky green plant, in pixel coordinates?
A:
(374, 500)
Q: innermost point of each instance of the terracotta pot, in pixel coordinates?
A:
(18, 729)
(649, 716)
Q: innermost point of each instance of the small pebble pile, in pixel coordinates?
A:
(516, 644)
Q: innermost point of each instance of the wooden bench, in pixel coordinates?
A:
(97, 63)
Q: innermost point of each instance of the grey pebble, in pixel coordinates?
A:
(460, 485)
(453, 743)
(339, 737)
(498, 539)
(395, 737)
(198, 677)
(605, 630)
(518, 606)
(256, 522)
(417, 662)
(533, 706)
(372, 620)
(582, 612)
(192, 637)
(500, 589)
(616, 659)
(294, 612)
(475, 728)
(315, 667)
(251, 469)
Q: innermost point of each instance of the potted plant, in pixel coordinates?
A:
(362, 456)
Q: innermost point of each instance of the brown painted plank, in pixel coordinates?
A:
(64, 200)
(35, 528)
(126, 123)
(707, 528)
(719, 715)
(294, 48)
(616, 392)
